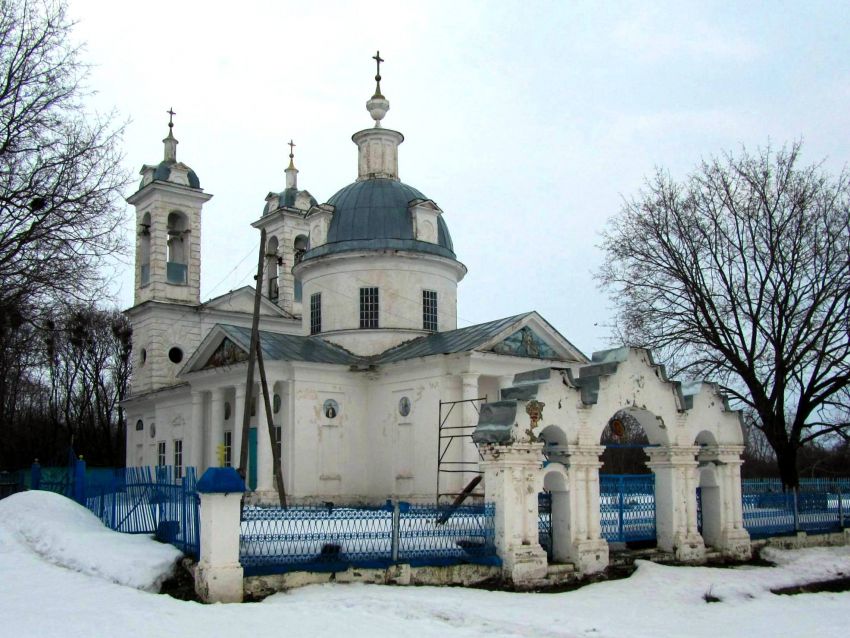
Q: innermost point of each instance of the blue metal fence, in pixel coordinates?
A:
(627, 507)
(818, 506)
(544, 522)
(133, 500)
(327, 539)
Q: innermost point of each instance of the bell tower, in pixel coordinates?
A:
(168, 229)
(166, 325)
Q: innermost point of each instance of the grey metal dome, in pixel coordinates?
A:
(163, 171)
(373, 214)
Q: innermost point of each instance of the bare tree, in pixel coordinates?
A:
(741, 274)
(60, 167)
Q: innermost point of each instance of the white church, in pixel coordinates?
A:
(375, 391)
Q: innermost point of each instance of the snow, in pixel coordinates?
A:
(63, 574)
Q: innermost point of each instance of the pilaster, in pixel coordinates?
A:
(675, 501)
(513, 480)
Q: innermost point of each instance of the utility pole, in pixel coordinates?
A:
(255, 354)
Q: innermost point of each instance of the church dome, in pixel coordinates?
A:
(163, 172)
(289, 198)
(373, 214)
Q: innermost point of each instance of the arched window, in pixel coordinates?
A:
(301, 245)
(272, 263)
(177, 269)
(145, 249)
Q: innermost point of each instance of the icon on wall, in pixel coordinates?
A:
(404, 406)
(331, 409)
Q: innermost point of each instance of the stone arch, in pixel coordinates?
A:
(300, 245)
(272, 272)
(555, 443)
(556, 483)
(145, 249)
(177, 249)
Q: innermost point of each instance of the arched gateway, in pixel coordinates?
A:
(547, 430)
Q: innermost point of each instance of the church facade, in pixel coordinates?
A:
(374, 389)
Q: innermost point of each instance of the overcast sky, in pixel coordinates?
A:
(527, 122)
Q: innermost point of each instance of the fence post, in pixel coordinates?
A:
(80, 481)
(796, 510)
(396, 530)
(35, 475)
(218, 575)
(840, 507)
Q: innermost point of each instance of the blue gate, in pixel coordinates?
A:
(627, 507)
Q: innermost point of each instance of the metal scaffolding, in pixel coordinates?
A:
(452, 437)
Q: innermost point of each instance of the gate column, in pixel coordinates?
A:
(513, 479)
(675, 470)
(727, 511)
(581, 533)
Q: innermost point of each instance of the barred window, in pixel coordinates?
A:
(178, 458)
(160, 453)
(315, 313)
(429, 310)
(228, 447)
(368, 307)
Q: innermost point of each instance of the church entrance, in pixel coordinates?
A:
(626, 484)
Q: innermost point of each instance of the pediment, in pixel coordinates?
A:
(227, 353)
(525, 342)
(534, 338)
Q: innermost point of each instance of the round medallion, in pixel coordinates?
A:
(330, 409)
(404, 406)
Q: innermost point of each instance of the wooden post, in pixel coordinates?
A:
(255, 339)
(278, 477)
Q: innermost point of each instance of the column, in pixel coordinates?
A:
(734, 539)
(675, 501)
(238, 415)
(265, 481)
(216, 428)
(582, 538)
(469, 452)
(513, 479)
(195, 457)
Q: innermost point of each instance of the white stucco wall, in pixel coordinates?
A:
(400, 278)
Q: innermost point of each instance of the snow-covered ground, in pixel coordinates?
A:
(63, 574)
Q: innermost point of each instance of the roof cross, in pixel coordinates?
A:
(171, 115)
(378, 59)
(291, 147)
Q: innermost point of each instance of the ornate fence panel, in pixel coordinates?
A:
(627, 507)
(818, 506)
(466, 536)
(544, 522)
(133, 500)
(325, 538)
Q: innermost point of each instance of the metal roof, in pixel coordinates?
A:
(282, 347)
(449, 342)
(374, 214)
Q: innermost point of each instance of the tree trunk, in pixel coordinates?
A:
(786, 458)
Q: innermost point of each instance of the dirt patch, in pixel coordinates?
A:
(834, 586)
(182, 584)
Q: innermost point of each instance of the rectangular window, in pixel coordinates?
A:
(315, 313)
(429, 310)
(368, 307)
(228, 447)
(178, 458)
(160, 453)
